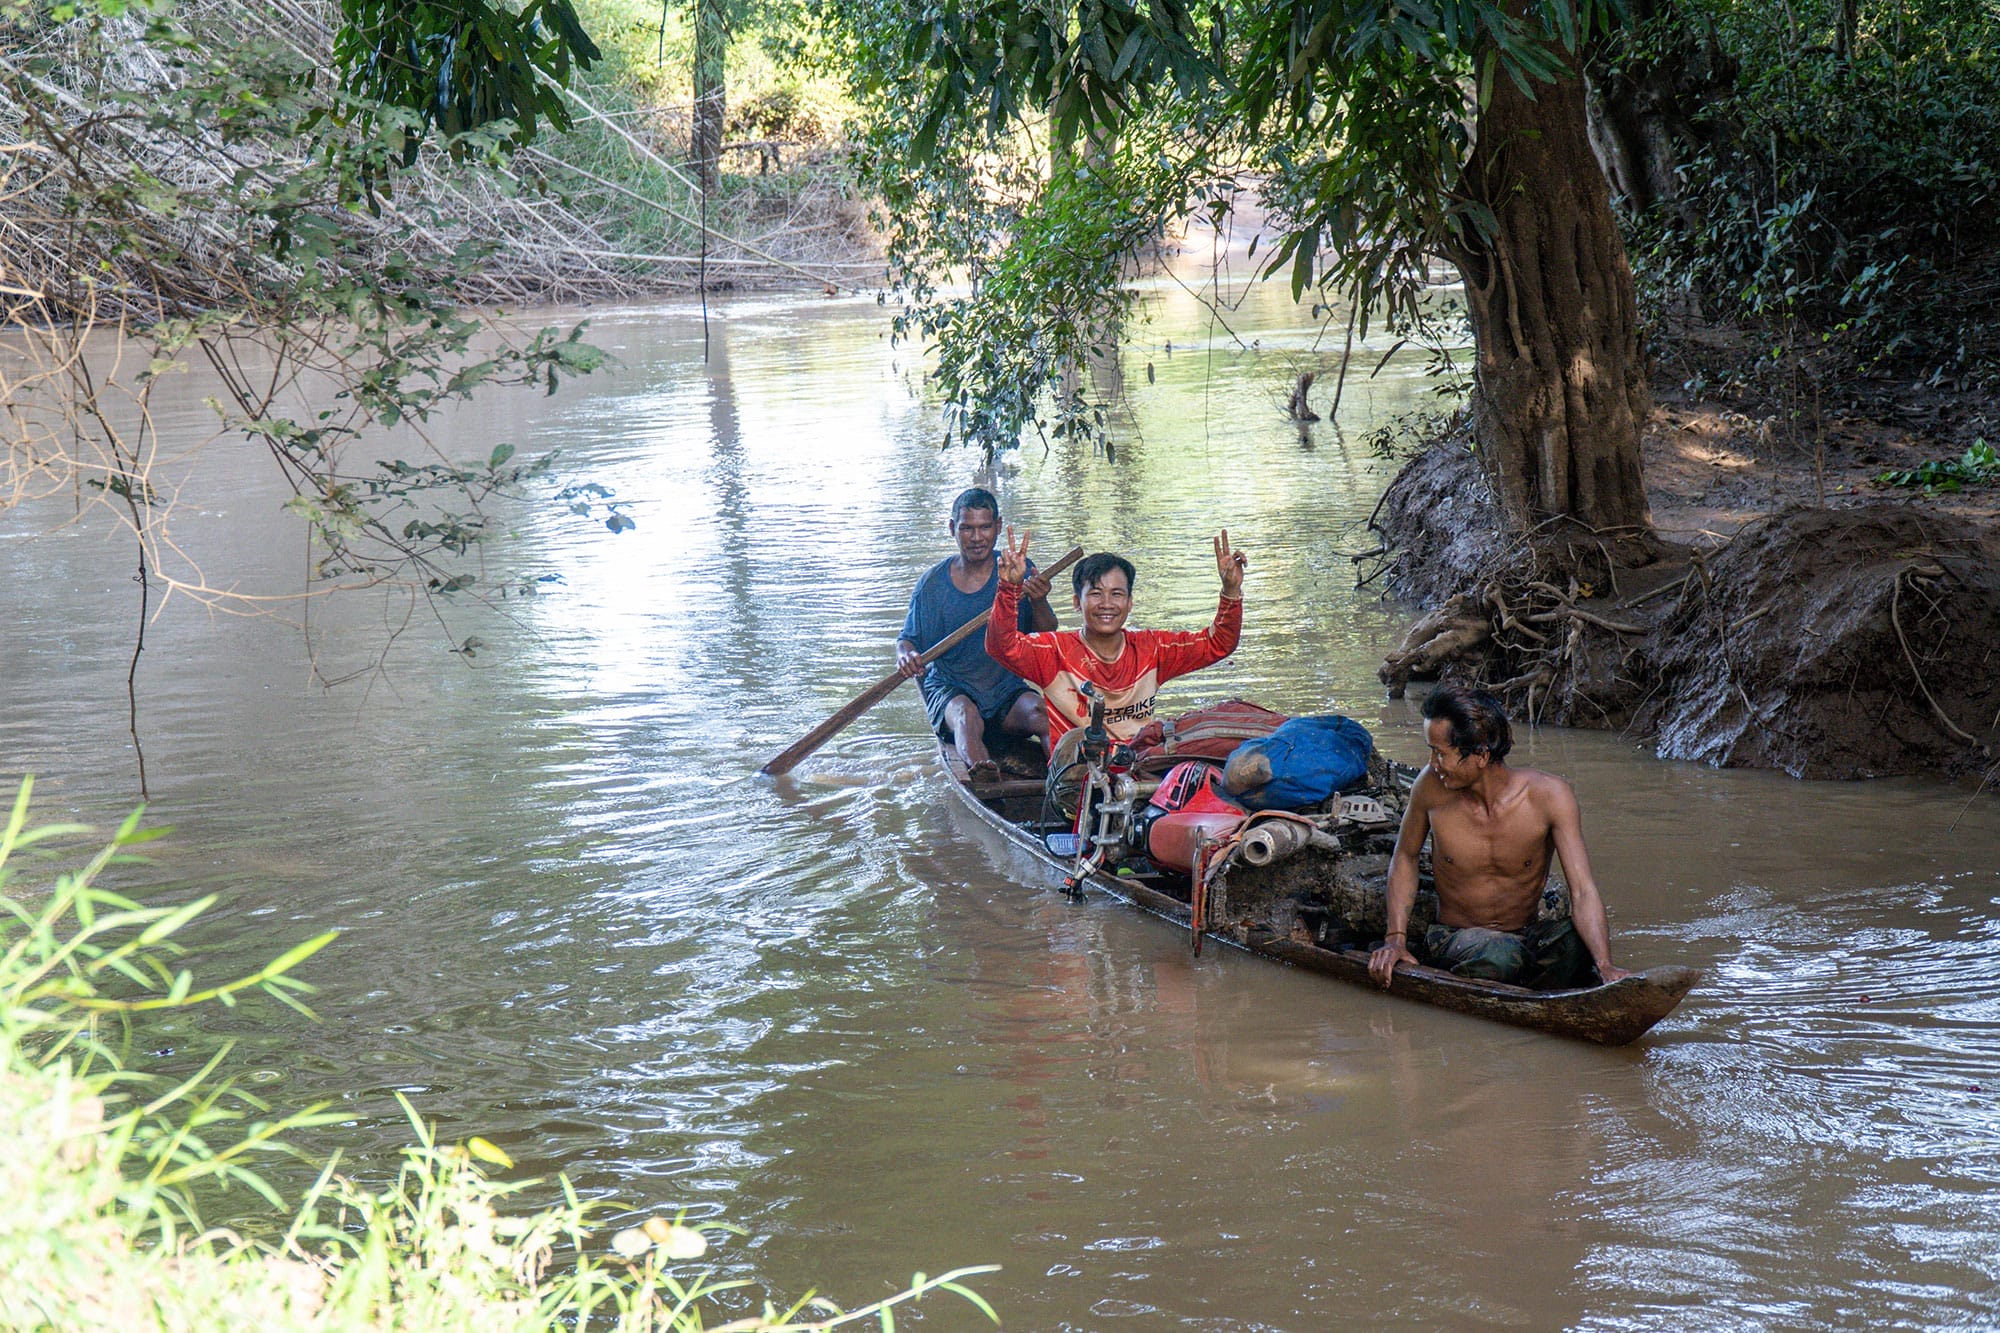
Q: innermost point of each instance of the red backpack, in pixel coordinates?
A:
(1206, 733)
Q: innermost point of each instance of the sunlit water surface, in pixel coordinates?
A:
(832, 1011)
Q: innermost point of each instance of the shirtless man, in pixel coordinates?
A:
(1493, 830)
(965, 691)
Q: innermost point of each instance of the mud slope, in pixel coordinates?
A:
(1835, 643)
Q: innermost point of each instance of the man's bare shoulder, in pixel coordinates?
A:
(1427, 792)
(1547, 790)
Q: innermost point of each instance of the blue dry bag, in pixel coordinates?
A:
(1311, 758)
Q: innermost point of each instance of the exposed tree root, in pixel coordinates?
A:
(1828, 643)
(1895, 618)
(1447, 634)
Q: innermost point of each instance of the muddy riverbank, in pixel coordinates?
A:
(1798, 613)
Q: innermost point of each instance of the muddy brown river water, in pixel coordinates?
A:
(830, 1011)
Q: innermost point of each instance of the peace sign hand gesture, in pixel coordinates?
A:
(1014, 559)
(1228, 563)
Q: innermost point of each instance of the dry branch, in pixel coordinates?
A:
(541, 250)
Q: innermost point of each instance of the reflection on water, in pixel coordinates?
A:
(839, 1015)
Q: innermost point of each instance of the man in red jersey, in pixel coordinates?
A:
(1126, 667)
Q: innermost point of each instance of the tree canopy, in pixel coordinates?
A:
(461, 65)
(1372, 128)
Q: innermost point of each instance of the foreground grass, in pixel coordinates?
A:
(99, 1223)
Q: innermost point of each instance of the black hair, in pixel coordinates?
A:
(978, 497)
(1478, 721)
(1092, 568)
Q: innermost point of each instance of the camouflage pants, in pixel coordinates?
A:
(1546, 956)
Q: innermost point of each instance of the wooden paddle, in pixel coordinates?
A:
(880, 690)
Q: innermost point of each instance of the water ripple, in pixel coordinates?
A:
(832, 1010)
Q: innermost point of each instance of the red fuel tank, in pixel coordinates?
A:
(1189, 807)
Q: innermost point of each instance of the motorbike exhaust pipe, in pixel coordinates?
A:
(1275, 840)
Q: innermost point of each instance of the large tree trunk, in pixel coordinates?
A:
(1561, 379)
(711, 51)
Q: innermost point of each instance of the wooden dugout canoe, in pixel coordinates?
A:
(1612, 1015)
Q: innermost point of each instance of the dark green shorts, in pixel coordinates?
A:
(1546, 956)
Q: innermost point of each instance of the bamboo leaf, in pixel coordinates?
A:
(487, 1151)
(174, 920)
(1127, 52)
(297, 954)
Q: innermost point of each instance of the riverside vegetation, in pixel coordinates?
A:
(190, 183)
(1734, 208)
(571, 183)
(109, 1166)
(226, 184)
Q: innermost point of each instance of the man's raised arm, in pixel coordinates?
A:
(1180, 653)
(1033, 659)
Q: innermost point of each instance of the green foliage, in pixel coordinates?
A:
(1354, 119)
(1086, 69)
(100, 1225)
(1852, 194)
(1043, 303)
(1979, 465)
(226, 214)
(1364, 114)
(77, 963)
(462, 65)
